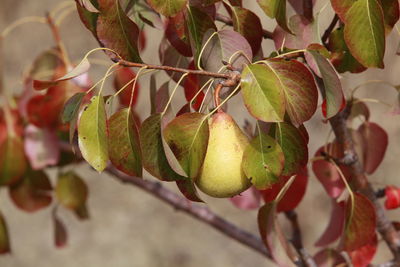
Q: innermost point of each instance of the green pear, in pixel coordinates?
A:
(221, 174)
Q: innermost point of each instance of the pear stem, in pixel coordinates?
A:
(217, 99)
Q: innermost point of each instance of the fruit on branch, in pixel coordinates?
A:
(222, 174)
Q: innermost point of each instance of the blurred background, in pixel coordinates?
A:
(128, 227)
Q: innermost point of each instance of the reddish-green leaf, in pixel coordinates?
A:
(188, 189)
(13, 162)
(391, 13)
(297, 82)
(222, 47)
(341, 7)
(33, 192)
(88, 17)
(334, 97)
(60, 232)
(116, 31)
(363, 256)
(275, 9)
(123, 143)
(167, 7)
(360, 223)
(262, 93)
(335, 227)
(293, 146)
(329, 257)
(187, 136)
(70, 112)
(364, 32)
(4, 237)
(153, 154)
(177, 34)
(71, 190)
(124, 76)
(92, 137)
(263, 161)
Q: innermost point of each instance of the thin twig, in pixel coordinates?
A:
(57, 39)
(228, 21)
(330, 28)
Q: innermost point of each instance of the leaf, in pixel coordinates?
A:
(263, 161)
(161, 98)
(170, 57)
(198, 23)
(71, 190)
(341, 7)
(189, 190)
(88, 18)
(298, 5)
(262, 93)
(248, 24)
(247, 200)
(187, 136)
(359, 108)
(122, 77)
(167, 7)
(33, 192)
(13, 163)
(363, 256)
(294, 195)
(92, 137)
(123, 143)
(4, 236)
(335, 227)
(275, 9)
(360, 223)
(294, 147)
(375, 142)
(70, 113)
(221, 47)
(116, 31)
(77, 71)
(191, 87)
(41, 147)
(329, 257)
(391, 13)
(297, 82)
(364, 33)
(334, 98)
(177, 34)
(60, 232)
(392, 194)
(153, 154)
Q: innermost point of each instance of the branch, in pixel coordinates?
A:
(228, 21)
(330, 28)
(198, 212)
(361, 183)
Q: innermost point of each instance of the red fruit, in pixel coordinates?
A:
(392, 197)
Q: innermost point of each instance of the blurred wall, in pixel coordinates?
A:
(129, 227)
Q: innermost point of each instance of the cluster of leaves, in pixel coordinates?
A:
(279, 91)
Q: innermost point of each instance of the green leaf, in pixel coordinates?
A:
(364, 33)
(123, 143)
(300, 90)
(341, 7)
(293, 145)
(262, 93)
(187, 136)
(71, 191)
(275, 9)
(13, 162)
(116, 31)
(92, 138)
(4, 236)
(33, 192)
(263, 161)
(153, 154)
(334, 97)
(70, 113)
(168, 7)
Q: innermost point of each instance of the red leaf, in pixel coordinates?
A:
(392, 197)
(176, 33)
(360, 223)
(4, 236)
(335, 227)
(363, 256)
(375, 144)
(122, 77)
(248, 200)
(60, 232)
(294, 194)
(191, 87)
(328, 258)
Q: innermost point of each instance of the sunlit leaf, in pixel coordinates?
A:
(263, 161)
(262, 93)
(92, 137)
(33, 192)
(123, 143)
(341, 7)
(364, 32)
(4, 236)
(71, 190)
(275, 9)
(167, 7)
(299, 88)
(153, 153)
(187, 136)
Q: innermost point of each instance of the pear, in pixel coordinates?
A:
(221, 174)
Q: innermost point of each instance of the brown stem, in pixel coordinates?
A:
(308, 9)
(330, 28)
(228, 21)
(198, 212)
(361, 183)
(217, 99)
(57, 38)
